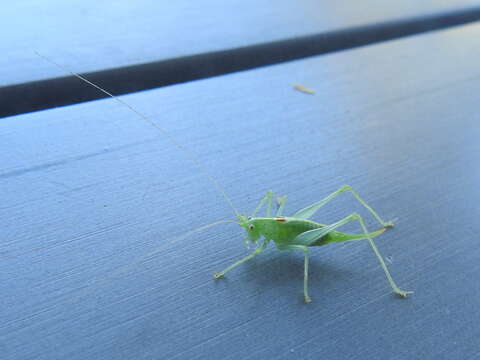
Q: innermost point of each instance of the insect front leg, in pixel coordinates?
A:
(305, 273)
(220, 274)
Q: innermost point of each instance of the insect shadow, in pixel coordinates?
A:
(284, 270)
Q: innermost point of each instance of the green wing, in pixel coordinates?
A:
(309, 238)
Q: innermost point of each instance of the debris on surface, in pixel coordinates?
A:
(303, 89)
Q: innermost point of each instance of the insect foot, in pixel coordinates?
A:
(217, 275)
(307, 299)
(389, 225)
(403, 294)
(345, 188)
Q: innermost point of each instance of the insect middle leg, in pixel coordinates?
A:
(305, 270)
(266, 199)
(281, 204)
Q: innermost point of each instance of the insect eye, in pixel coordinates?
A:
(251, 227)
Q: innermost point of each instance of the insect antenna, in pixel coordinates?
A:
(142, 259)
(162, 131)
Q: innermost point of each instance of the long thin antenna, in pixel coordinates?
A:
(186, 152)
(144, 258)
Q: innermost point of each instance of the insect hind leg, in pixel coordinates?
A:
(308, 238)
(394, 286)
(385, 224)
(310, 210)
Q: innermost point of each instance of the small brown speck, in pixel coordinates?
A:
(303, 89)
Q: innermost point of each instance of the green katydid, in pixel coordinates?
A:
(299, 233)
(288, 233)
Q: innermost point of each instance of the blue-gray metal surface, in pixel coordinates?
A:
(91, 35)
(88, 190)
